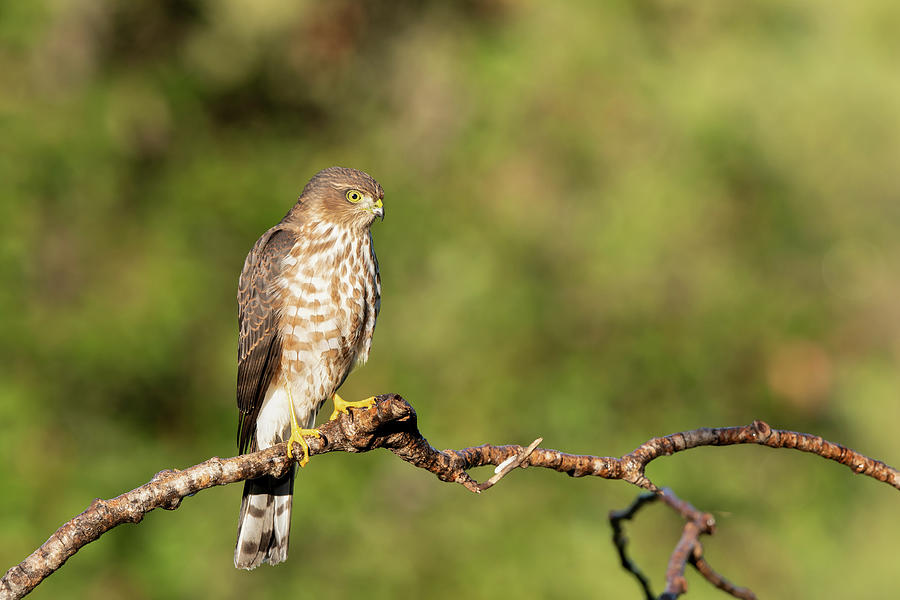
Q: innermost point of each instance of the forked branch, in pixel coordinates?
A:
(391, 423)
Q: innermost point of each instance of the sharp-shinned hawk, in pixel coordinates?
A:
(308, 298)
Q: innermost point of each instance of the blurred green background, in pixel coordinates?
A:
(605, 221)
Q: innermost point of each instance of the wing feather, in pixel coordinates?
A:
(259, 344)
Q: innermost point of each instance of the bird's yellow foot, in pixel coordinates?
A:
(342, 406)
(297, 436)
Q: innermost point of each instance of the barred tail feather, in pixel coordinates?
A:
(264, 524)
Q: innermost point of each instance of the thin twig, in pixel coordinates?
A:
(508, 465)
(697, 523)
(676, 584)
(620, 540)
(717, 580)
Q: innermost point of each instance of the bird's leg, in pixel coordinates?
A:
(342, 406)
(297, 433)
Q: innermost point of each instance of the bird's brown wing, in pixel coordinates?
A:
(259, 345)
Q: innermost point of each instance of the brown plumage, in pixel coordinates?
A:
(308, 298)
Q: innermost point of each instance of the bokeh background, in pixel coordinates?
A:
(605, 221)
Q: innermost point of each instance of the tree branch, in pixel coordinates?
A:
(392, 424)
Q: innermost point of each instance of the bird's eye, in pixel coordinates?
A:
(354, 196)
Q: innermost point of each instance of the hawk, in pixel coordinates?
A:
(308, 298)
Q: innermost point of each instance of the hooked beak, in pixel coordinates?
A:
(378, 209)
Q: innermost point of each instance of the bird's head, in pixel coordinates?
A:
(342, 196)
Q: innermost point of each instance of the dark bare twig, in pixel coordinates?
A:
(391, 423)
(717, 580)
(621, 541)
(687, 550)
(698, 523)
(676, 584)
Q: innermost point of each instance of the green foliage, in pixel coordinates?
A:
(605, 221)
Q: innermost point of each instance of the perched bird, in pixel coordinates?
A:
(308, 298)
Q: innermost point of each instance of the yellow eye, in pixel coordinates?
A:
(354, 196)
